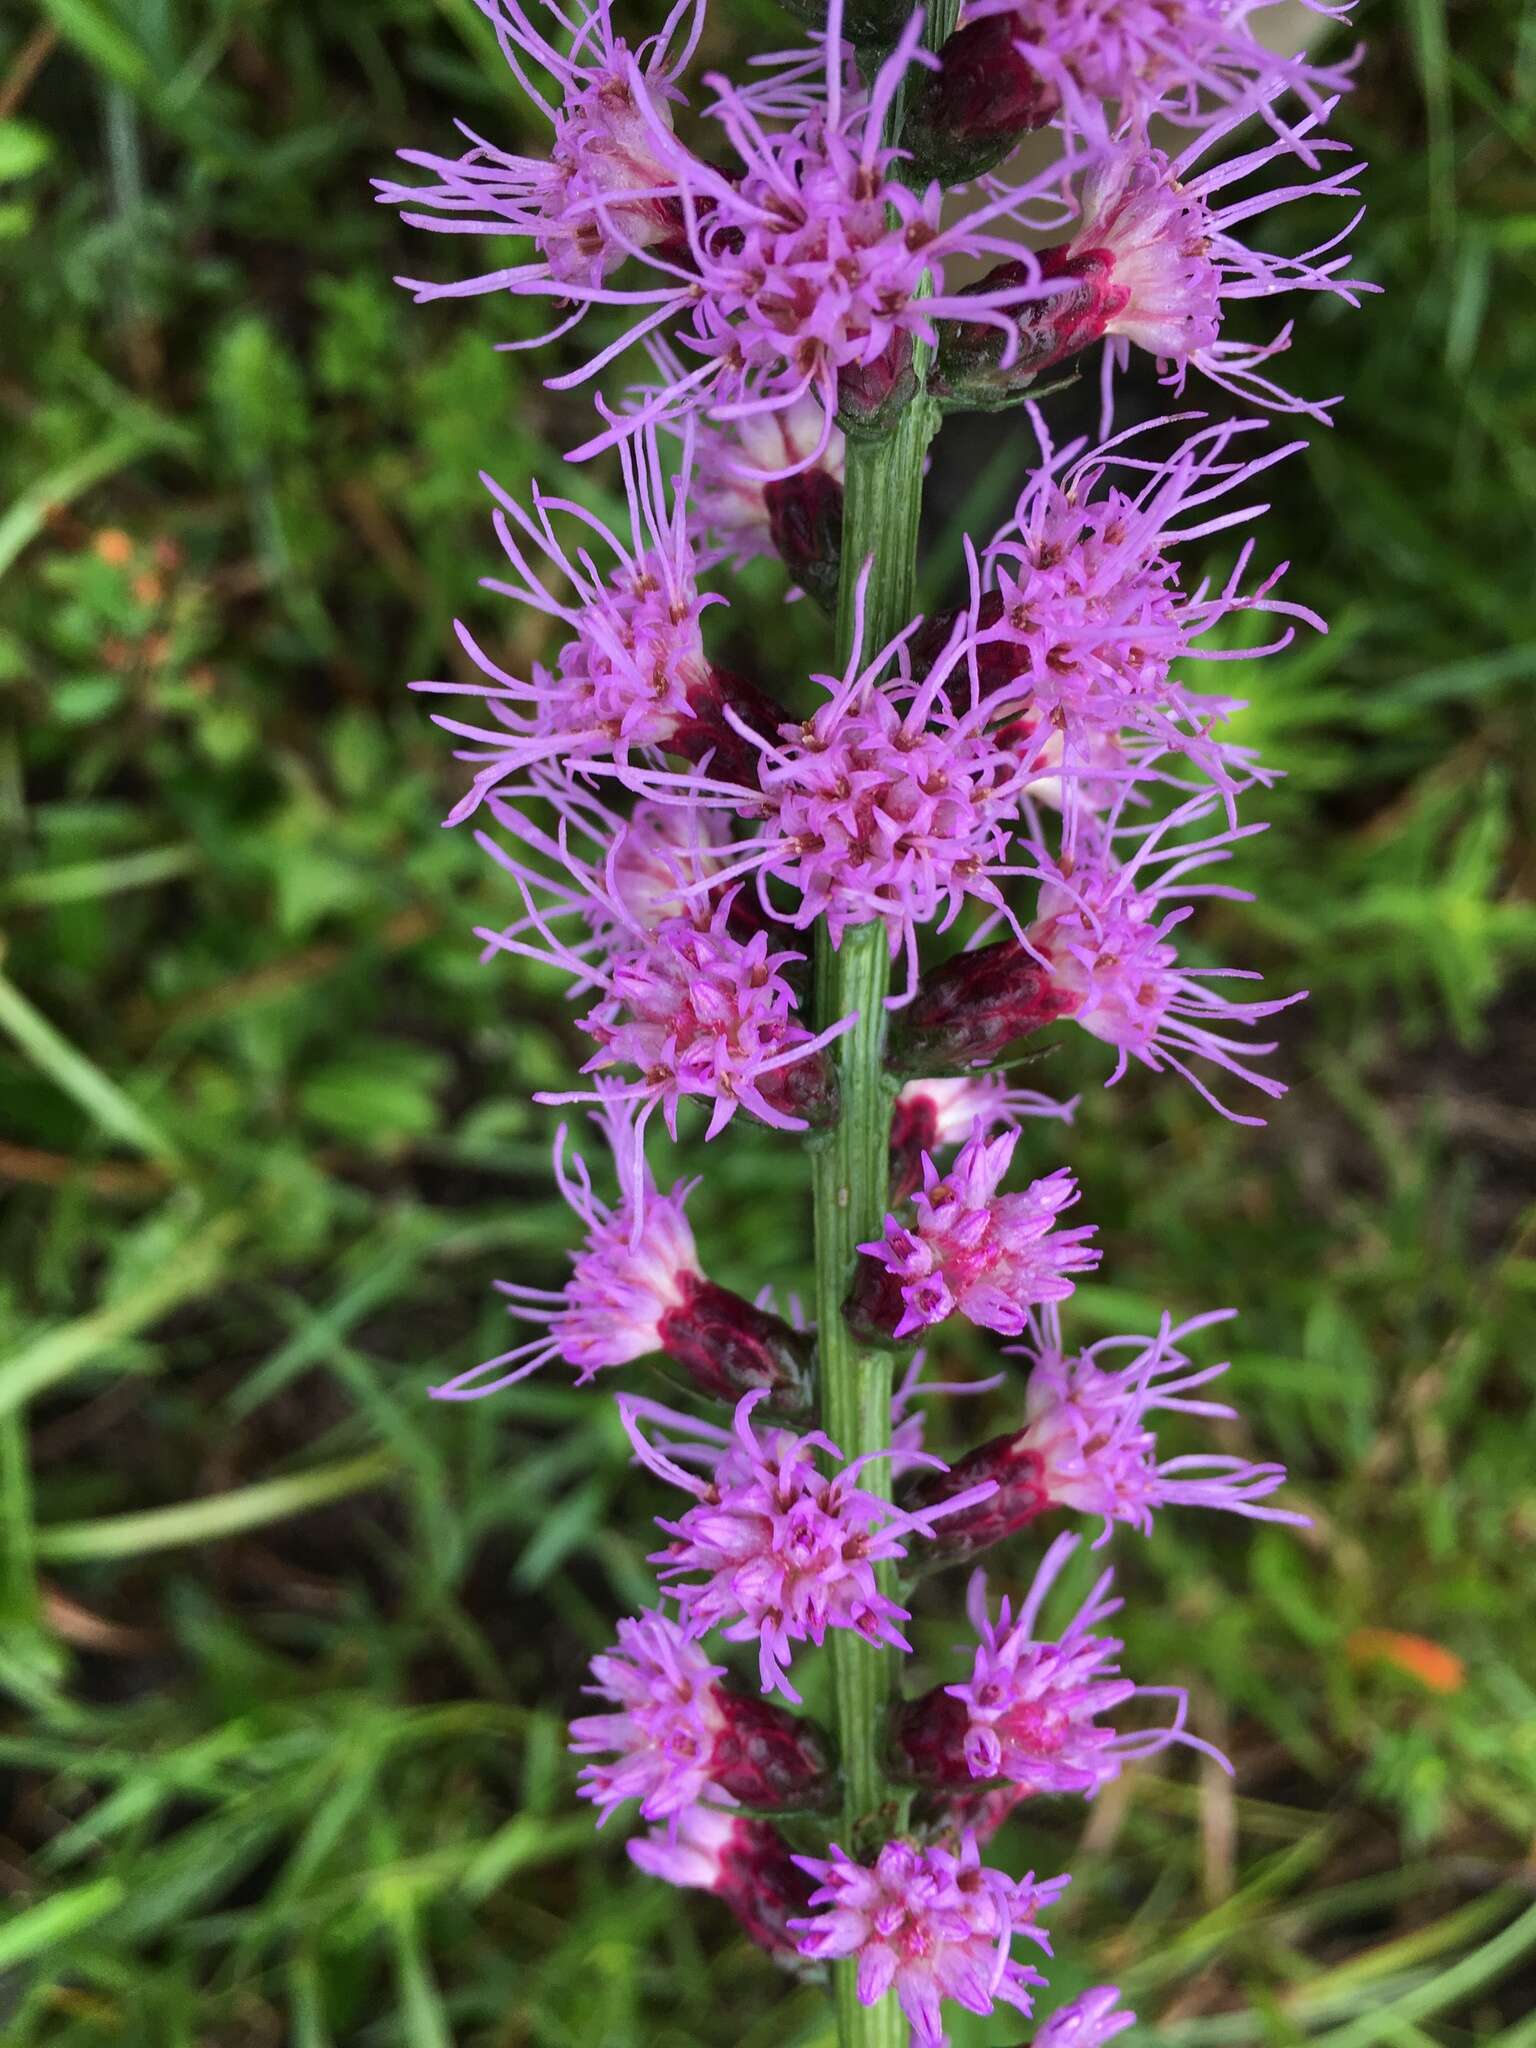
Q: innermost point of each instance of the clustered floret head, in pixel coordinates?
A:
(838, 251)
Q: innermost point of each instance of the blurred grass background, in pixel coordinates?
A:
(285, 1651)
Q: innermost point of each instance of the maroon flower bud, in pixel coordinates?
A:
(927, 1745)
(970, 369)
(875, 1303)
(763, 1887)
(769, 1758)
(1021, 1496)
(984, 98)
(709, 732)
(805, 518)
(807, 1089)
(996, 662)
(914, 1131)
(728, 1346)
(971, 1008)
(871, 397)
(747, 1863)
(982, 1812)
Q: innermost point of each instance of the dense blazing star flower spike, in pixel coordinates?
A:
(850, 906)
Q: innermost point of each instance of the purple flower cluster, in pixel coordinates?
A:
(1020, 799)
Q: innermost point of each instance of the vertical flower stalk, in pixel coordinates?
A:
(850, 1165)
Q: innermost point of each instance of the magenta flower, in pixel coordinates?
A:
(1155, 250)
(632, 676)
(682, 1739)
(1187, 64)
(603, 192)
(1079, 613)
(1086, 1444)
(1153, 262)
(885, 804)
(1103, 931)
(930, 1923)
(745, 1863)
(637, 1288)
(689, 996)
(1087, 1427)
(794, 275)
(638, 1266)
(785, 1550)
(1087, 2022)
(1030, 1710)
(667, 1727)
(989, 1256)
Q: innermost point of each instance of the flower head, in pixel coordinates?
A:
(1086, 1425)
(637, 1267)
(1153, 262)
(667, 1727)
(931, 1924)
(603, 192)
(632, 675)
(690, 998)
(777, 1550)
(1087, 1445)
(1155, 251)
(1080, 611)
(1104, 930)
(1031, 1709)
(1188, 64)
(1086, 2022)
(681, 1738)
(989, 1256)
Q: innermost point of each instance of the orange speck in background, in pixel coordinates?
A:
(1436, 1668)
(112, 545)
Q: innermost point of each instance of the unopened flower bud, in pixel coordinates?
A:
(707, 732)
(972, 1007)
(968, 115)
(766, 1757)
(805, 518)
(982, 367)
(808, 1089)
(871, 397)
(1018, 1473)
(746, 1863)
(928, 1740)
(727, 1347)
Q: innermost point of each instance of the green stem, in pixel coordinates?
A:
(850, 1165)
(850, 1174)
